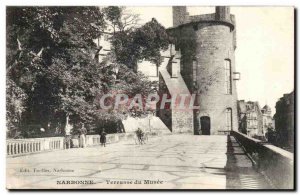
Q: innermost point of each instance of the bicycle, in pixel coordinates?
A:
(141, 137)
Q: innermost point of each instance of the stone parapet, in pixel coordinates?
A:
(275, 163)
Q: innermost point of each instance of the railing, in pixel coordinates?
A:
(275, 163)
(17, 147)
(92, 140)
(25, 146)
(224, 132)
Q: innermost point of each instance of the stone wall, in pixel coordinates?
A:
(153, 123)
(273, 162)
(178, 120)
(182, 121)
(164, 114)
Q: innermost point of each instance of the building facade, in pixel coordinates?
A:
(268, 122)
(251, 119)
(284, 120)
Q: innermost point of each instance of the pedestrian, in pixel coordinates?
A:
(103, 138)
(68, 137)
(82, 140)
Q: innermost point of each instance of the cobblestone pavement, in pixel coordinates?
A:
(173, 162)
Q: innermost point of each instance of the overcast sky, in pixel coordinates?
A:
(265, 48)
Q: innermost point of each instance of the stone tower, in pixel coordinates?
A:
(179, 15)
(207, 44)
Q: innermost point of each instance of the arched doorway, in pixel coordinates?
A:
(205, 125)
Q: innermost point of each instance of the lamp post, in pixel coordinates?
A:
(198, 130)
(149, 118)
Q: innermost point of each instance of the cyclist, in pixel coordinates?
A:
(140, 135)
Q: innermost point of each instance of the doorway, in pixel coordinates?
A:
(205, 125)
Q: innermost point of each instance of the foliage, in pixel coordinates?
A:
(14, 107)
(49, 57)
(51, 70)
(132, 43)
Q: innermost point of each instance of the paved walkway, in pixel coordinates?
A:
(172, 162)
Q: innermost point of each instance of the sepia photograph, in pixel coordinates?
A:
(150, 97)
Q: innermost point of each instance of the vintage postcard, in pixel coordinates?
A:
(174, 97)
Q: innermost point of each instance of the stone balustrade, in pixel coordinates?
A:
(17, 147)
(92, 140)
(27, 146)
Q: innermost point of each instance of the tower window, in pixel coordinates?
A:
(228, 119)
(181, 65)
(194, 71)
(227, 67)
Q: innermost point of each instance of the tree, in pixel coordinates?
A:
(119, 19)
(131, 42)
(49, 57)
(52, 72)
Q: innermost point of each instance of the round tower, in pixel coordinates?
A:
(215, 66)
(207, 43)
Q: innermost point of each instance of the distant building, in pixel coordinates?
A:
(251, 119)
(284, 120)
(267, 119)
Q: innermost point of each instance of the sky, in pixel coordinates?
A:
(265, 48)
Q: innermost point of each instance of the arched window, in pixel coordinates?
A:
(227, 69)
(228, 119)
